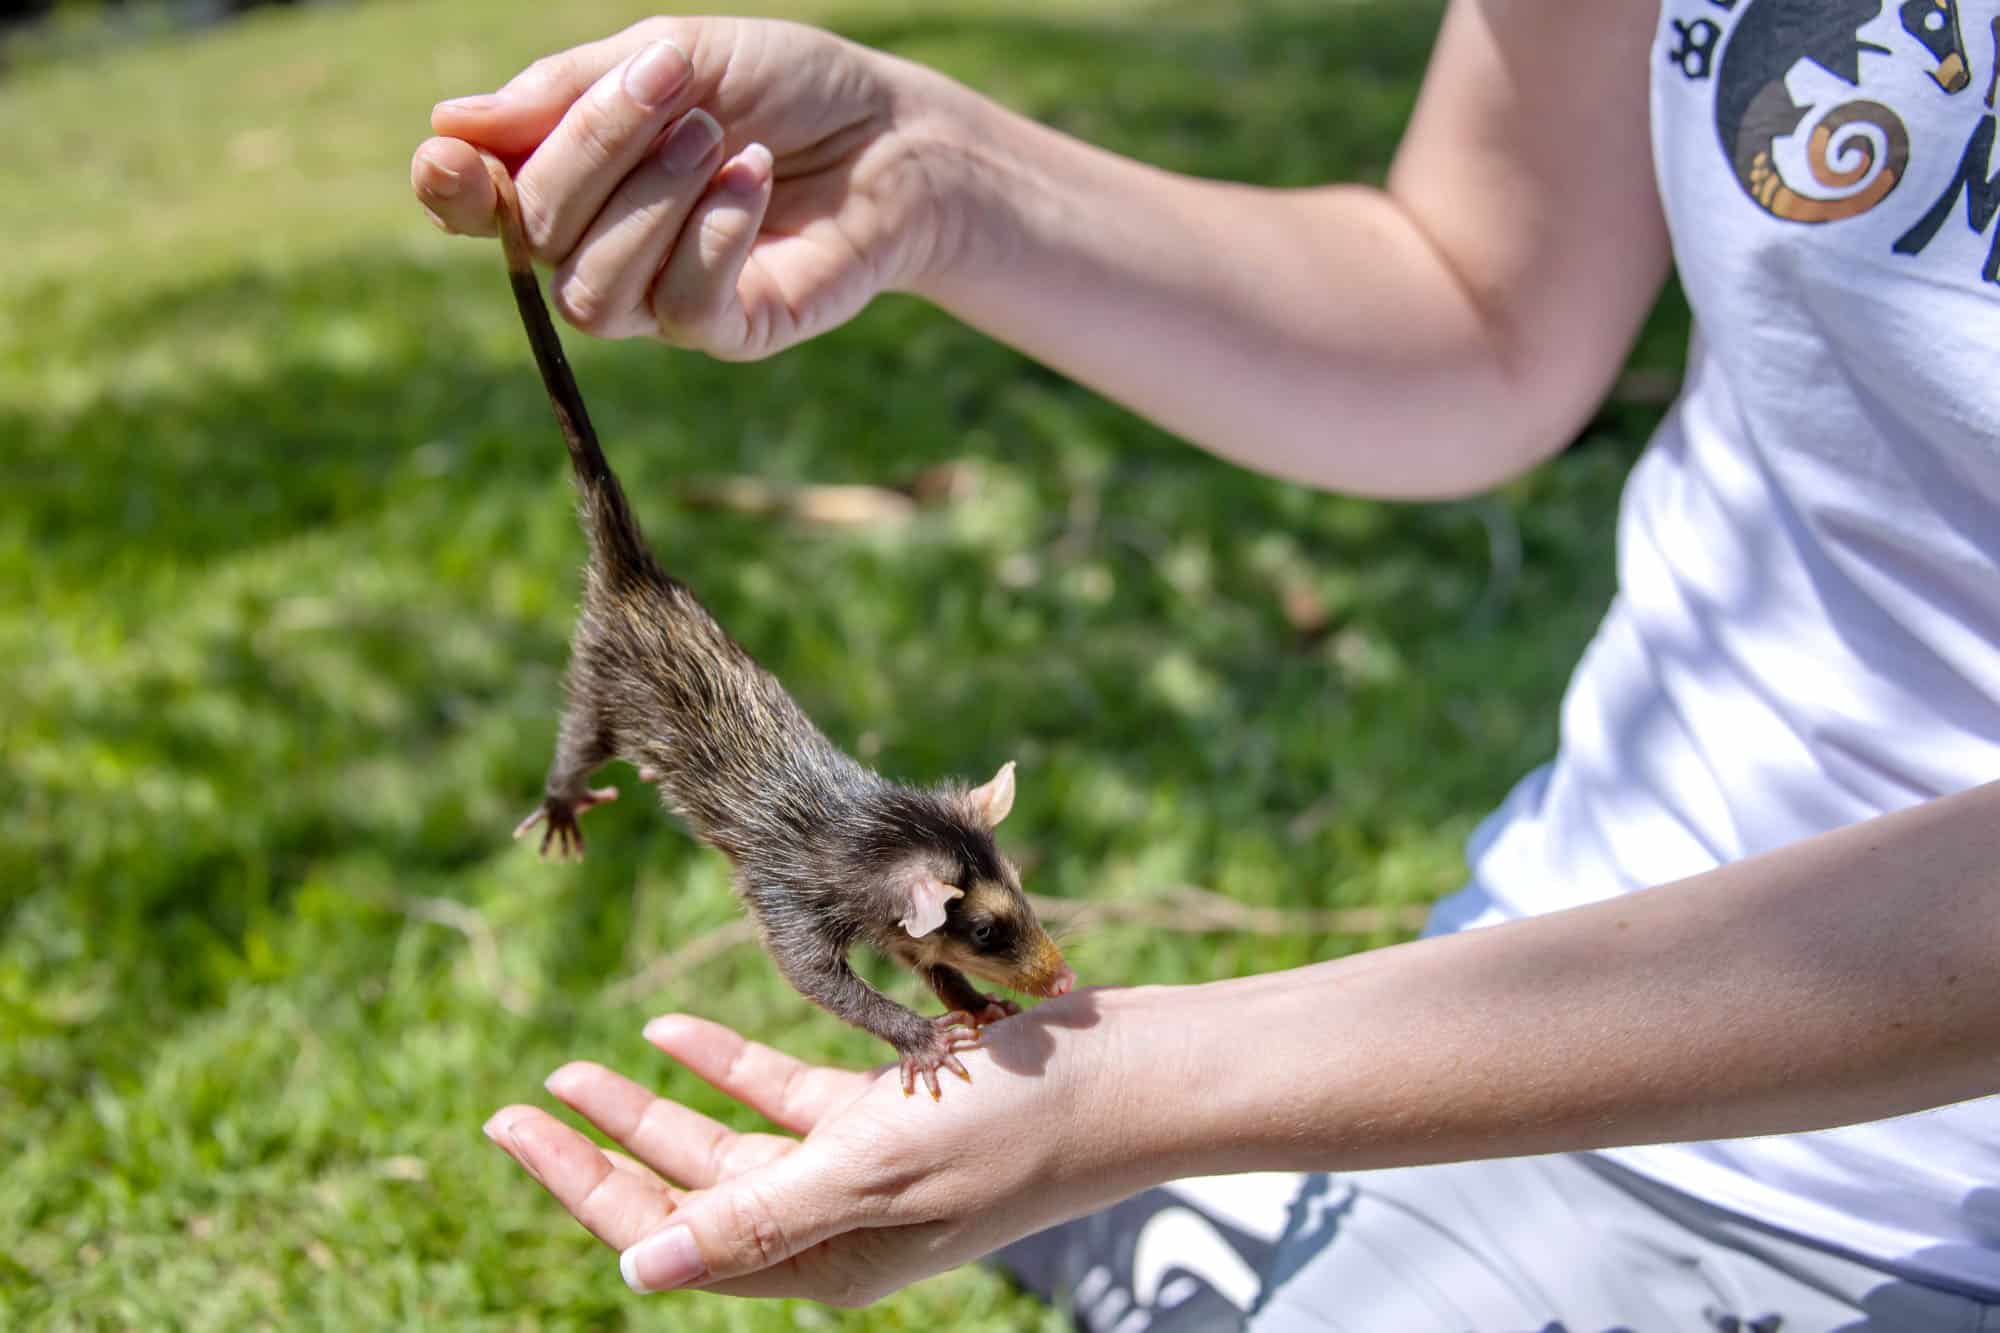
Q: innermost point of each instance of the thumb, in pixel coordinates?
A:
(743, 1226)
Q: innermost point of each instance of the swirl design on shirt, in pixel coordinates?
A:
(1856, 150)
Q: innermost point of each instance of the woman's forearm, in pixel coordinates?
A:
(1847, 978)
(1313, 334)
(1427, 338)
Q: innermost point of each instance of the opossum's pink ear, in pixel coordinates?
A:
(928, 895)
(996, 798)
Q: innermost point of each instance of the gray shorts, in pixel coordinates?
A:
(1565, 1244)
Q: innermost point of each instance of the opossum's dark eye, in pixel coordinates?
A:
(982, 934)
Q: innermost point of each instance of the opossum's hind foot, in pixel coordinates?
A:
(558, 815)
(950, 1033)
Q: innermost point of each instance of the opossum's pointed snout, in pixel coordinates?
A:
(1048, 975)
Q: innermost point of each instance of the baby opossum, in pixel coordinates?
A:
(826, 853)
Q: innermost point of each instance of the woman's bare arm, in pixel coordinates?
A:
(1841, 979)
(1424, 339)
(1846, 978)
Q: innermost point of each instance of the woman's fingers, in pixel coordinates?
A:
(600, 139)
(681, 1144)
(641, 1170)
(513, 121)
(617, 1205)
(602, 287)
(785, 1091)
(696, 300)
(753, 1224)
(452, 184)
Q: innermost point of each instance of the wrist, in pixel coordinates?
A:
(963, 173)
(1160, 1083)
(1148, 1081)
(1229, 1076)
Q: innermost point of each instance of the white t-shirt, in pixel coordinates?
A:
(1807, 629)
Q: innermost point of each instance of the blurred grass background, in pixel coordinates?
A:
(287, 565)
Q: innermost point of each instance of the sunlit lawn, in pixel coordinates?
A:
(287, 565)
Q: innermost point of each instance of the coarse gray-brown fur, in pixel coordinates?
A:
(827, 854)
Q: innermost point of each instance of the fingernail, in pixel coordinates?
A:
(655, 1029)
(748, 172)
(663, 1261)
(657, 73)
(440, 180)
(494, 1127)
(690, 142)
(561, 1079)
(511, 1144)
(469, 105)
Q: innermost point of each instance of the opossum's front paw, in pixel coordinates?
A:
(558, 816)
(997, 1008)
(949, 1033)
(992, 1009)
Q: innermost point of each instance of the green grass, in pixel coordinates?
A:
(286, 573)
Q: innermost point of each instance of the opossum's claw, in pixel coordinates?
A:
(559, 815)
(950, 1033)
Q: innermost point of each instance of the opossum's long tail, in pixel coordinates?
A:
(607, 518)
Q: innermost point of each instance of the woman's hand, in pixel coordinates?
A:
(729, 185)
(884, 1189)
(1646, 1018)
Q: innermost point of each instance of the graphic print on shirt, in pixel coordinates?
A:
(1850, 148)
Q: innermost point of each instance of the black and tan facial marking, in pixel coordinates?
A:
(960, 902)
(989, 922)
(988, 930)
(992, 934)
